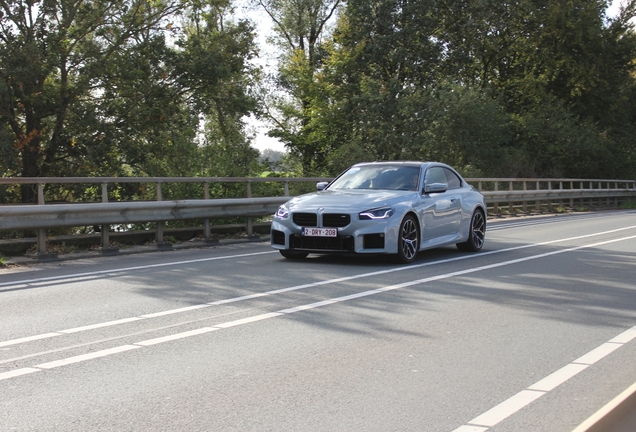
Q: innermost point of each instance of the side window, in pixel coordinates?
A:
(435, 175)
(453, 181)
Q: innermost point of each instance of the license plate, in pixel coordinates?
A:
(320, 232)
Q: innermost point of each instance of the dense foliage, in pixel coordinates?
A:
(162, 87)
(497, 88)
(123, 87)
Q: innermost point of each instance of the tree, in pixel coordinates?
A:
(300, 27)
(116, 87)
(54, 55)
(524, 87)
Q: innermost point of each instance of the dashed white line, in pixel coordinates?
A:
(17, 373)
(490, 418)
(26, 282)
(625, 337)
(597, 354)
(515, 403)
(100, 325)
(175, 311)
(29, 339)
(249, 320)
(506, 408)
(294, 288)
(557, 378)
(469, 428)
(177, 336)
(84, 357)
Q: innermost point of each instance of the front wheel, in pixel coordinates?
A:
(408, 241)
(293, 255)
(476, 234)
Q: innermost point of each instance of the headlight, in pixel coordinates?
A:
(282, 212)
(379, 213)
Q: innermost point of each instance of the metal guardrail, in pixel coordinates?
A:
(515, 192)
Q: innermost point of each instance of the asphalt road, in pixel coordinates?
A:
(534, 333)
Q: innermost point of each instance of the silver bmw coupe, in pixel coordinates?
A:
(396, 208)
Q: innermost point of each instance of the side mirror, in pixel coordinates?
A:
(435, 188)
(321, 185)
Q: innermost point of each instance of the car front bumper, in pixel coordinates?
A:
(359, 236)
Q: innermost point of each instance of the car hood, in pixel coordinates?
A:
(348, 200)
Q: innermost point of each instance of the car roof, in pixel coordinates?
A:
(393, 163)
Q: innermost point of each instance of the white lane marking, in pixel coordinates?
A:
(127, 269)
(506, 408)
(237, 299)
(177, 336)
(337, 280)
(84, 357)
(504, 224)
(17, 373)
(495, 415)
(557, 378)
(467, 428)
(248, 320)
(29, 339)
(500, 412)
(175, 311)
(403, 268)
(100, 325)
(265, 316)
(625, 337)
(308, 306)
(598, 353)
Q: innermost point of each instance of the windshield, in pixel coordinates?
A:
(391, 177)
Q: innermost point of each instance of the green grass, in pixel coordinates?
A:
(629, 205)
(2, 262)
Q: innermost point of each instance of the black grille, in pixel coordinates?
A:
(306, 219)
(278, 237)
(340, 243)
(373, 241)
(334, 220)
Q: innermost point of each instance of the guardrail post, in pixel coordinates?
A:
(537, 203)
(159, 234)
(206, 222)
(495, 206)
(511, 209)
(615, 198)
(41, 249)
(41, 253)
(105, 244)
(286, 188)
(250, 223)
(549, 199)
(525, 202)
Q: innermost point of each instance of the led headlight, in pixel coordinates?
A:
(282, 212)
(379, 213)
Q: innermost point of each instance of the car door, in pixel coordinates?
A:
(441, 210)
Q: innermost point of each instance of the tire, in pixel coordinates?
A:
(408, 240)
(476, 234)
(293, 255)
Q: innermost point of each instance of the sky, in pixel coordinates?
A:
(267, 60)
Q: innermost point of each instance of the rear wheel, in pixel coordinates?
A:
(293, 255)
(476, 234)
(408, 241)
